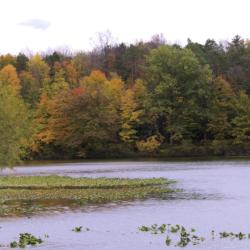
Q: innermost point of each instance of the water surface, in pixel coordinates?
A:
(216, 197)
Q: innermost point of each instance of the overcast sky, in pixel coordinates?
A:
(38, 25)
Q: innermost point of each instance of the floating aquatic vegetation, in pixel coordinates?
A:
(154, 229)
(168, 241)
(232, 235)
(77, 229)
(26, 239)
(54, 181)
(186, 237)
(27, 195)
(80, 229)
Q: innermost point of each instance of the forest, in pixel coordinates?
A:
(147, 99)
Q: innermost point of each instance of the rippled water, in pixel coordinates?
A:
(216, 197)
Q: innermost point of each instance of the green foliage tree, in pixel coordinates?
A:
(241, 122)
(179, 88)
(21, 62)
(192, 97)
(222, 110)
(15, 128)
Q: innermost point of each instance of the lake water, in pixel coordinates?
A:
(216, 197)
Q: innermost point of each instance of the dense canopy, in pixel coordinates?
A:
(143, 99)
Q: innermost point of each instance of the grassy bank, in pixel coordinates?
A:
(19, 194)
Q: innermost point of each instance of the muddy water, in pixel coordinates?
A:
(216, 197)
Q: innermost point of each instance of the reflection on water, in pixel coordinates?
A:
(215, 196)
(28, 208)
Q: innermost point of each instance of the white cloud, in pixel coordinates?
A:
(74, 22)
(36, 23)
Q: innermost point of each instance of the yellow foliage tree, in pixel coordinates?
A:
(131, 111)
(130, 117)
(150, 145)
(9, 77)
(7, 59)
(44, 134)
(39, 70)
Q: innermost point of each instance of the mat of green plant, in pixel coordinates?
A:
(67, 190)
(54, 181)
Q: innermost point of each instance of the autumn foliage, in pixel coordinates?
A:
(145, 99)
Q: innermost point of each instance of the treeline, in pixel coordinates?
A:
(148, 98)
